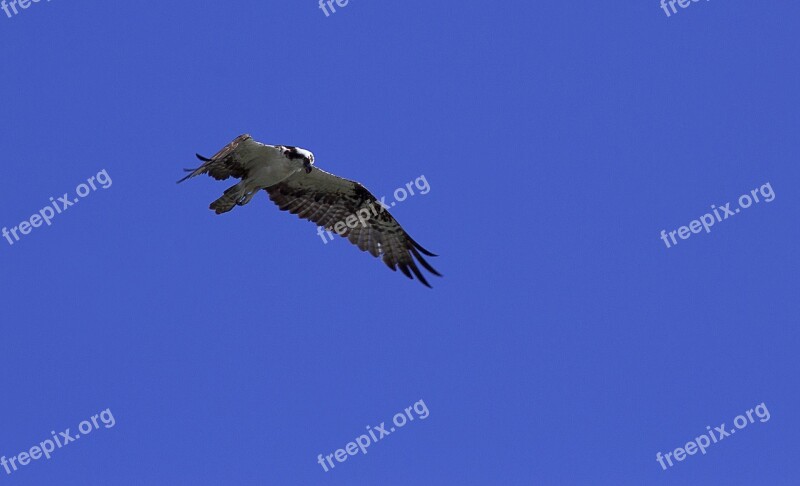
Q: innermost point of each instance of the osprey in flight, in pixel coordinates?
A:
(288, 176)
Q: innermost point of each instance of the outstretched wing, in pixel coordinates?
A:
(326, 200)
(225, 163)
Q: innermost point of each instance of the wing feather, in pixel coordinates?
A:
(225, 163)
(326, 199)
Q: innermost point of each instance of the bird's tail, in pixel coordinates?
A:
(229, 199)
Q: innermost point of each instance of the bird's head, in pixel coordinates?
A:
(308, 160)
(298, 153)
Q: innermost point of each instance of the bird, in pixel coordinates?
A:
(294, 184)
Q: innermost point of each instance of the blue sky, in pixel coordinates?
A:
(566, 343)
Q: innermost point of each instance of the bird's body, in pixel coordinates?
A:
(257, 165)
(287, 175)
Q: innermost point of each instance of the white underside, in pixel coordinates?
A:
(270, 170)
